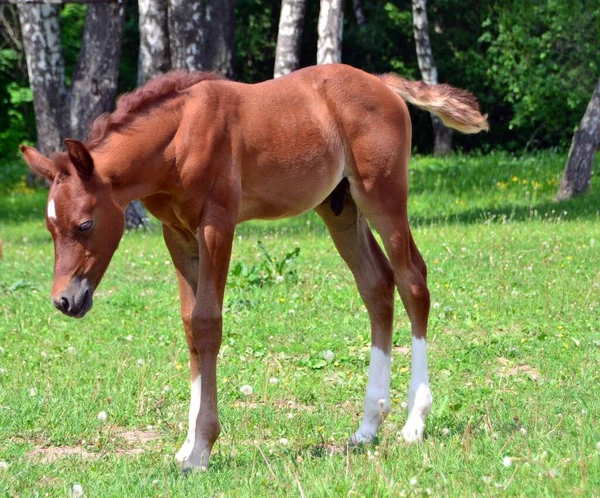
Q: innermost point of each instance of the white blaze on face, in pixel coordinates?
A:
(419, 394)
(51, 210)
(195, 394)
(377, 399)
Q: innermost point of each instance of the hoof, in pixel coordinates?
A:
(413, 431)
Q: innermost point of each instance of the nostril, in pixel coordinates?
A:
(64, 304)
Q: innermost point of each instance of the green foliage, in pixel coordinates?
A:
(544, 62)
(257, 22)
(268, 271)
(14, 125)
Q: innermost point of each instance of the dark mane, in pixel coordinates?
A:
(154, 92)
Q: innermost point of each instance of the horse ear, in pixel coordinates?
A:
(38, 162)
(81, 158)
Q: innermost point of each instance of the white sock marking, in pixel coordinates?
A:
(377, 399)
(51, 210)
(190, 440)
(419, 394)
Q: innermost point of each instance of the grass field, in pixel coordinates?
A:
(514, 354)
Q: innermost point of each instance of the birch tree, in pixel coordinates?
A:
(46, 71)
(289, 37)
(443, 136)
(586, 140)
(330, 28)
(154, 57)
(201, 35)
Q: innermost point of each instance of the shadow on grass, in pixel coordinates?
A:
(585, 207)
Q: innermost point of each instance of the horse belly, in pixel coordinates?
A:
(275, 192)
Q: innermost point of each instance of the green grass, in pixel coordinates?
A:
(514, 354)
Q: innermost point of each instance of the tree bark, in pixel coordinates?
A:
(94, 83)
(442, 135)
(331, 30)
(46, 70)
(359, 13)
(578, 171)
(289, 37)
(155, 58)
(201, 35)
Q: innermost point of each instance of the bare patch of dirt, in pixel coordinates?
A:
(133, 438)
(137, 436)
(49, 454)
(287, 405)
(508, 369)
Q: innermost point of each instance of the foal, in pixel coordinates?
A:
(204, 154)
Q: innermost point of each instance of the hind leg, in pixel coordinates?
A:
(410, 277)
(374, 278)
(379, 187)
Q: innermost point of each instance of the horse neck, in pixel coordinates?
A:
(138, 160)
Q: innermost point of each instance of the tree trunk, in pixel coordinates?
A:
(94, 83)
(578, 172)
(359, 13)
(201, 35)
(154, 40)
(46, 70)
(289, 37)
(331, 30)
(443, 136)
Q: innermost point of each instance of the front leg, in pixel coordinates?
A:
(215, 239)
(183, 248)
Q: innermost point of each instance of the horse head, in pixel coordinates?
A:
(85, 220)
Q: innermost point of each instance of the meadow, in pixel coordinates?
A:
(514, 353)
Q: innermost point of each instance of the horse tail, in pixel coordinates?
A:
(456, 108)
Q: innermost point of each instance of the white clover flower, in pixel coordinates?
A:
(2, 371)
(445, 431)
(413, 481)
(290, 416)
(71, 350)
(44, 355)
(404, 405)
(329, 355)
(33, 392)
(273, 380)
(101, 416)
(507, 461)
(77, 490)
(283, 441)
(436, 305)
(3, 465)
(140, 362)
(129, 338)
(246, 390)
(279, 279)
(523, 430)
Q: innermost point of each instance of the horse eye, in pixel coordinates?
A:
(86, 226)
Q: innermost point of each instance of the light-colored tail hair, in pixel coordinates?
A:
(456, 108)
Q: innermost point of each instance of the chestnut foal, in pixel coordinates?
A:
(204, 154)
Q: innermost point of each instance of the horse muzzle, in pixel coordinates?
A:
(76, 300)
